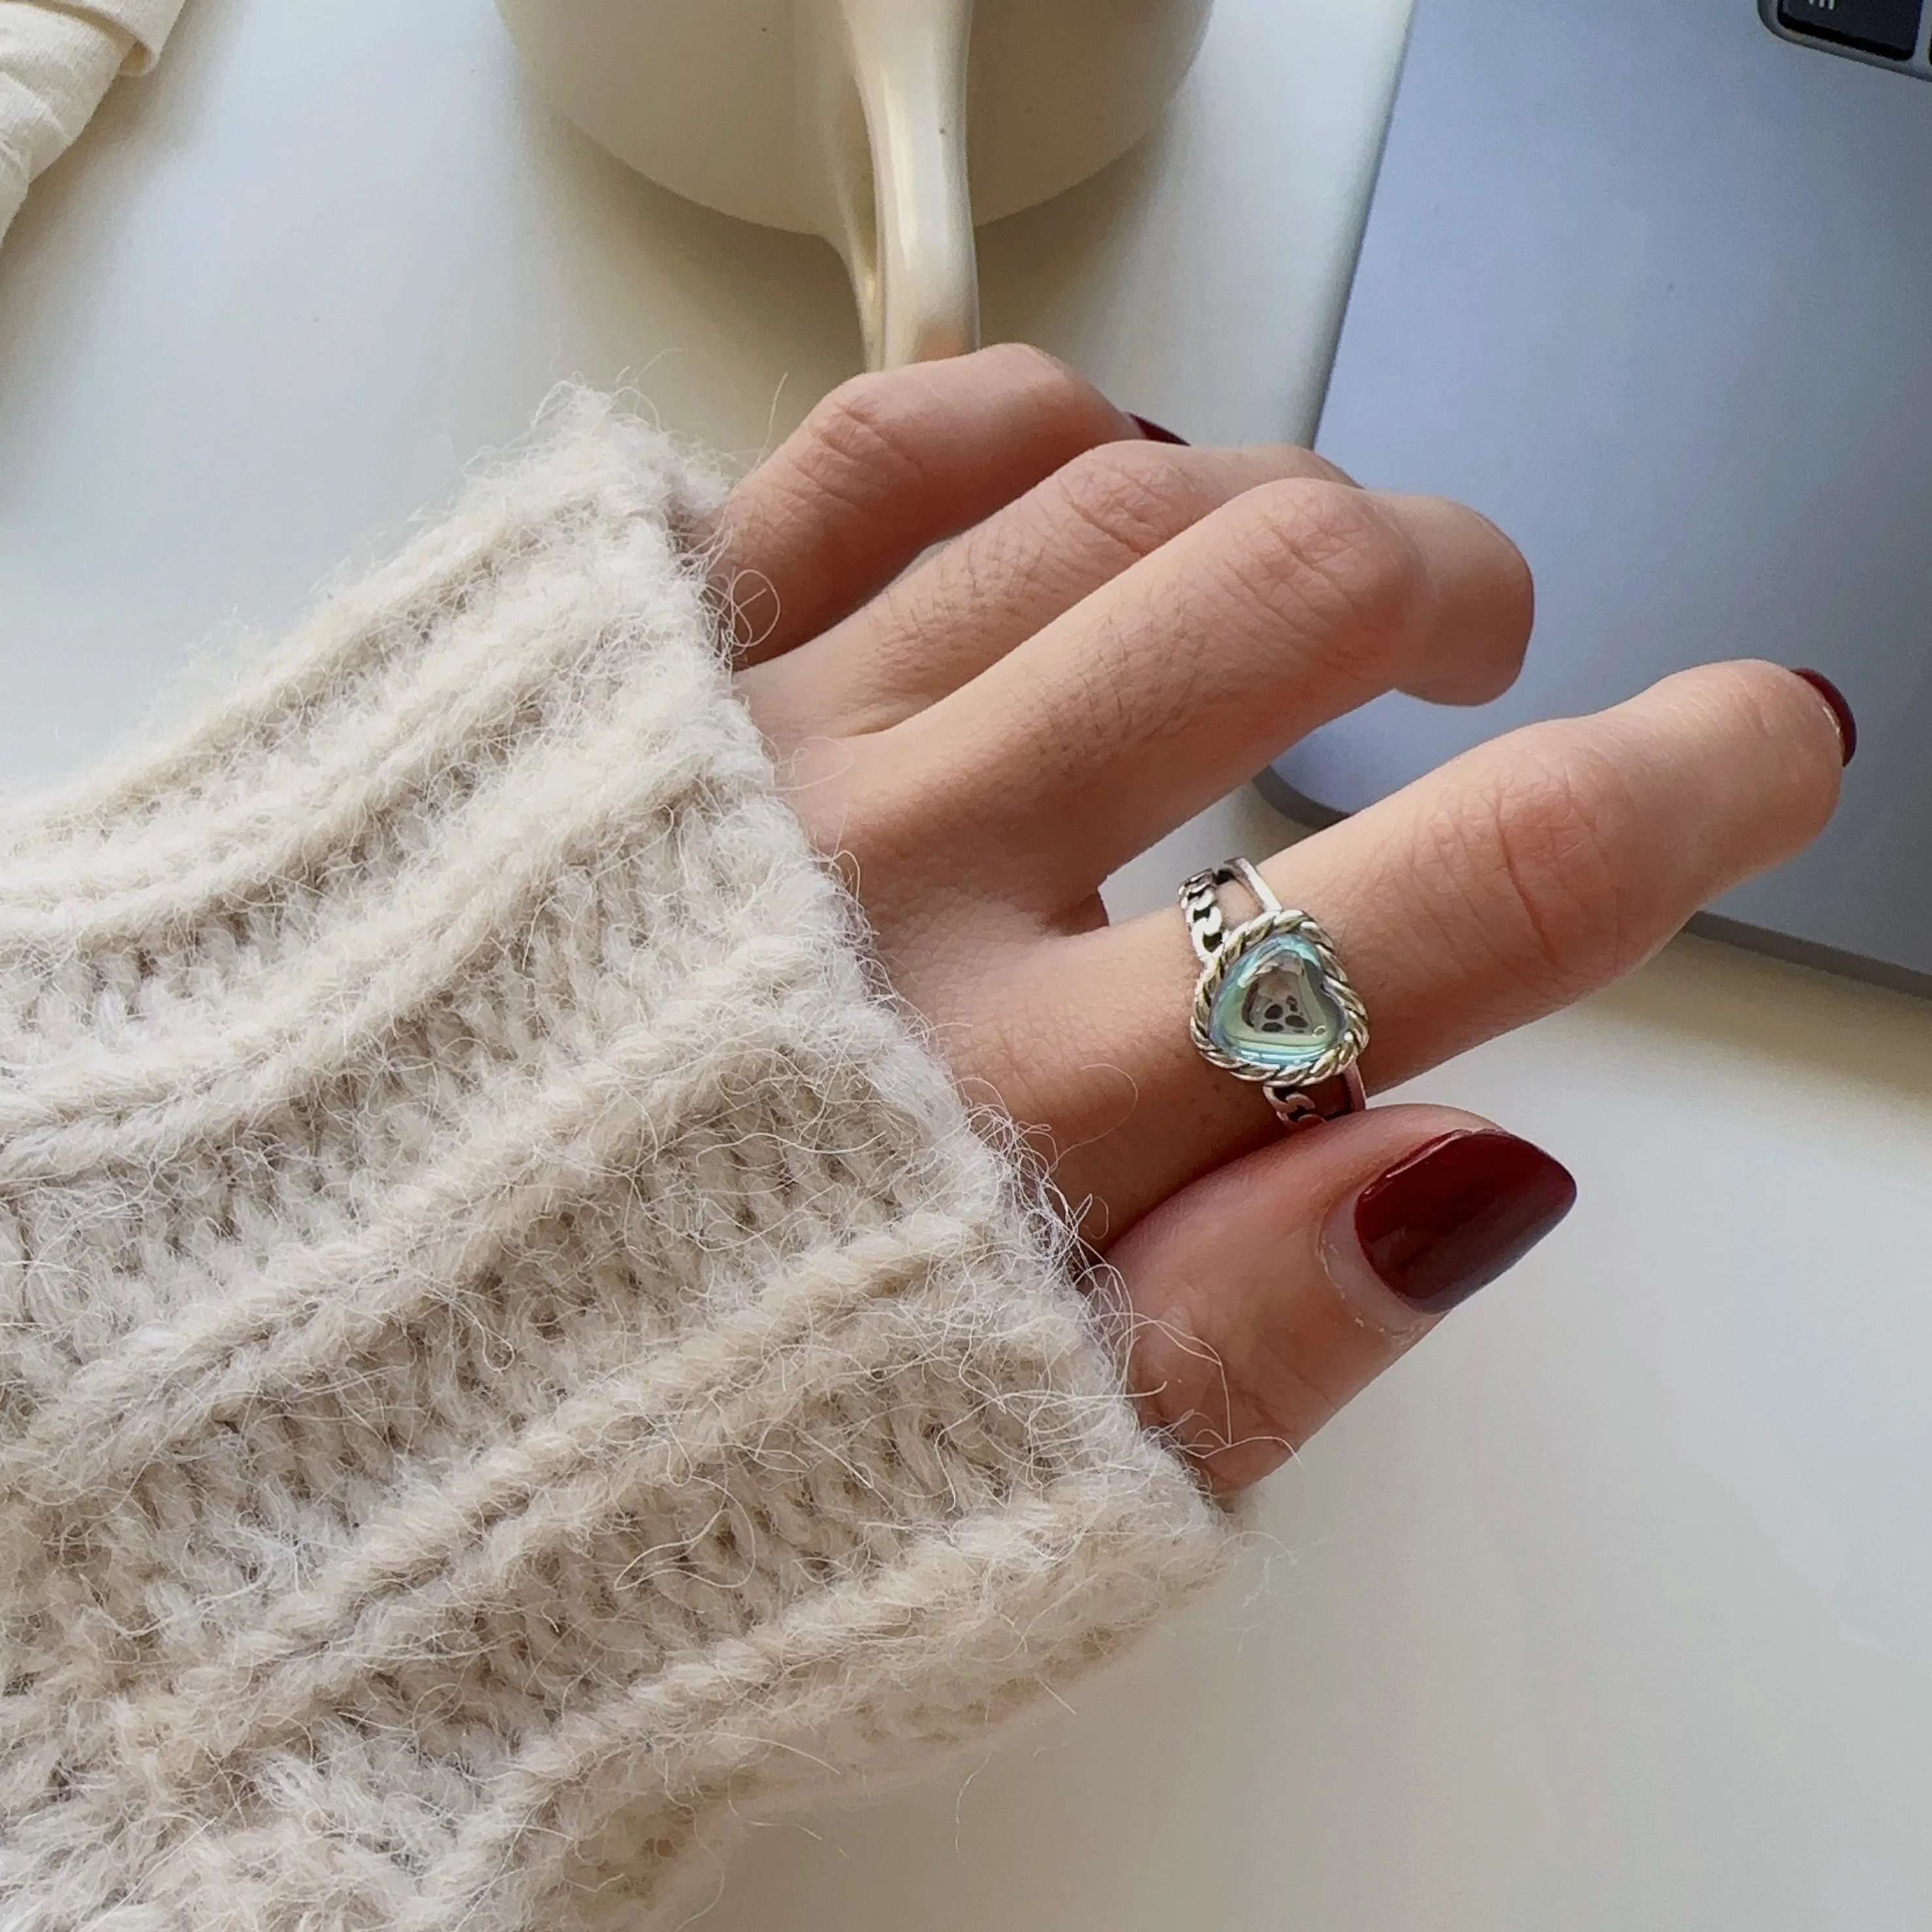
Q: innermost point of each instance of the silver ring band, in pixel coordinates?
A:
(1273, 1004)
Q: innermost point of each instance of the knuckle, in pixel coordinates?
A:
(1051, 397)
(1044, 378)
(1337, 564)
(1130, 690)
(866, 426)
(1135, 496)
(1545, 845)
(874, 434)
(995, 568)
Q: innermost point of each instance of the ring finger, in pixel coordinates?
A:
(1507, 884)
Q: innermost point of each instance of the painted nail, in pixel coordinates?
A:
(1458, 1213)
(1841, 712)
(1154, 433)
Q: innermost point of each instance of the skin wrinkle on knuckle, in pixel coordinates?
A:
(1052, 394)
(1558, 827)
(880, 426)
(1134, 497)
(783, 502)
(996, 566)
(1009, 564)
(912, 631)
(1326, 564)
(1003, 568)
(860, 436)
(1067, 717)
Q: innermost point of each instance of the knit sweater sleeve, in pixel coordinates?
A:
(513, 1357)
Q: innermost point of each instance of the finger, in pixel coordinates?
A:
(1295, 603)
(1542, 867)
(1269, 1294)
(1507, 884)
(884, 466)
(990, 590)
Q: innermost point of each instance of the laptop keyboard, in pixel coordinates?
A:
(1887, 28)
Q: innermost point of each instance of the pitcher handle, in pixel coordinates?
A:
(897, 133)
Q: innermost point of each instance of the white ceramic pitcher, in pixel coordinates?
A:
(887, 126)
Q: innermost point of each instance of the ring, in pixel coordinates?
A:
(1273, 1004)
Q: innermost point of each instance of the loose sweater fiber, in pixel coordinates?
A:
(513, 1358)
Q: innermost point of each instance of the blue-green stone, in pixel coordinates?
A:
(1275, 1009)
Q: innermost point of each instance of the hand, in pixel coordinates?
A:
(1114, 633)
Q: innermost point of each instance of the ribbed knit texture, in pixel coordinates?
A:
(512, 1358)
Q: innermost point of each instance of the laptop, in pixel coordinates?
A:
(1649, 282)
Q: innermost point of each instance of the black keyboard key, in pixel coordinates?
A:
(1888, 27)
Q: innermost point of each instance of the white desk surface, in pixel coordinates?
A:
(1610, 1608)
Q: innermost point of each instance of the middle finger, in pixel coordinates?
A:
(977, 597)
(1294, 604)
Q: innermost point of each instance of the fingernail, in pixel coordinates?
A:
(1456, 1214)
(1154, 433)
(1841, 712)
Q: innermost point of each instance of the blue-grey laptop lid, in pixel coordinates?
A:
(1650, 283)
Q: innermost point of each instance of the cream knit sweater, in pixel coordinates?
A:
(512, 1358)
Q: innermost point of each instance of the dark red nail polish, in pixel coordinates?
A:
(1848, 725)
(1458, 1213)
(1154, 433)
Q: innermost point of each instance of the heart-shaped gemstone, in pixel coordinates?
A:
(1276, 1009)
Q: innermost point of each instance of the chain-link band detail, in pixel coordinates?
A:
(1329, 1086)
(1200, 900)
